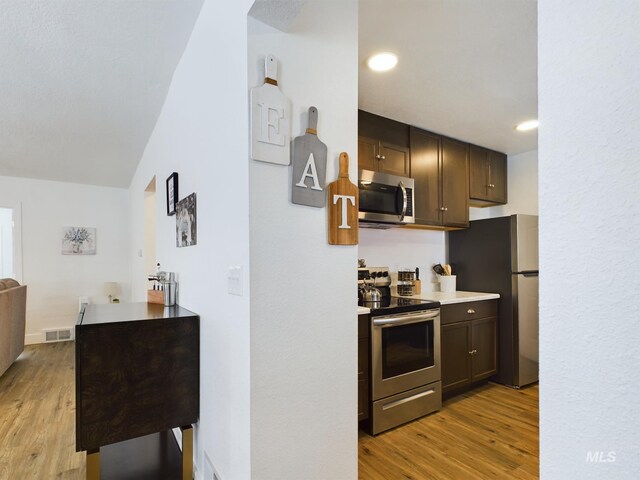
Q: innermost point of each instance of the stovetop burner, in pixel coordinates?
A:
(391, 305)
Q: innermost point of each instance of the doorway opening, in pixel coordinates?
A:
(11, 242)
(149, 247)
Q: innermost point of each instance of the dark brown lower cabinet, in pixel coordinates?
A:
(468, 345)
(363, 367)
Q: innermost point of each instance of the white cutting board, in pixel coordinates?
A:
(270, 118)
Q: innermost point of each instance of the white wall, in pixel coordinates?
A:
(6, 243)
(55, 281)
(589, 141)
(202, 134)
(303, 291)
(522, 184)
(402, 247)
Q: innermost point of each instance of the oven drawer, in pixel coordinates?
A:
(406, 406)
(459, 312)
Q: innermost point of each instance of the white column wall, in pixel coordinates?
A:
(589, 139)
(303, 291)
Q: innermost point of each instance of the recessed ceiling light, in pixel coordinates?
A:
(528, 125)
(381, 62)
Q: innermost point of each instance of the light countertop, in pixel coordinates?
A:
(455, 297)
(446, 298)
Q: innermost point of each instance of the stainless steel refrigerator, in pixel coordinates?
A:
(501, 255)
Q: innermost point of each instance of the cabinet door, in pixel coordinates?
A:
(497, 171)
(363, 400)
(455, 341)
(394, 159)
(478, 172)
(483, 341)
(367, 151)
(425, 157)
(455, 183)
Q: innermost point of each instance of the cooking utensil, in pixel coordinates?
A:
(438, 269)
(309, 165)
(447, 269)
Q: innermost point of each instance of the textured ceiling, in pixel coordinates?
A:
(83, 83)
(467, 68)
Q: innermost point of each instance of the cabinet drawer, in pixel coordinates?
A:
(459, 312)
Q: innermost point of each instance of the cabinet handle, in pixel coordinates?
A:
(443, 209)
(378, 157)
(470, 311)
(383, 157)
(473, 352)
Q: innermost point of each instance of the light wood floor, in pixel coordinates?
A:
(37, 416)
(490, 432)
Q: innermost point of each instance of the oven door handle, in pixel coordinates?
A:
(393, 321)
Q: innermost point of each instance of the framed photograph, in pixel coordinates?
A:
(186, 222)
(172, 193)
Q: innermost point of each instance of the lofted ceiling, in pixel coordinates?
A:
(467, 68)
(83, 83)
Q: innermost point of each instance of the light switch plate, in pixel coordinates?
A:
(234, 277)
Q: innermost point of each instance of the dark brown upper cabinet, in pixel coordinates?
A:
(487, 177)
(383, 145)
(439, 168)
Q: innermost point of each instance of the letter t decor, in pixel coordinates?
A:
(343, 207)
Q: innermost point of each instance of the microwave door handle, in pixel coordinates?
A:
(404, 201)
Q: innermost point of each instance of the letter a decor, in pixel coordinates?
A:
(309, 166)
(270, 118)
(343, 207)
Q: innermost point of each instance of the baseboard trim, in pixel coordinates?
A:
(33, 338)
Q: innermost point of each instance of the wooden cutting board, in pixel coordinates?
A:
(309, 165)
(343, 207)
(270, 118)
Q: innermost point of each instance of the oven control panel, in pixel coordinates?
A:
(379, 275)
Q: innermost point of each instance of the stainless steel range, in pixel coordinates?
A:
(405, 355)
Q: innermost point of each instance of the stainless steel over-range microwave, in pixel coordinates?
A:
(385, 200)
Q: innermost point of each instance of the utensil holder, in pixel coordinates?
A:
(447, 283)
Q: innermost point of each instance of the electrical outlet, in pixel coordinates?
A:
(234, 277)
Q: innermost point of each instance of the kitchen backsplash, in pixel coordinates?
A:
(400, 247)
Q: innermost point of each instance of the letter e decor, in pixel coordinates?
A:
(270, 118)
(309, 165)
(343, 207)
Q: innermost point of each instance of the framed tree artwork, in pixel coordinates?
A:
(172, 193)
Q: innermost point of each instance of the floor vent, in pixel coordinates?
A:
(57, 335)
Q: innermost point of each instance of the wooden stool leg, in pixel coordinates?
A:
(93, 465)
(187, 452)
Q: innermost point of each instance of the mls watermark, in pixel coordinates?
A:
(601, 457)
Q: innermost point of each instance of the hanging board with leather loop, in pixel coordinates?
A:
(270, 118)
(343, 207)
(309, 165)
